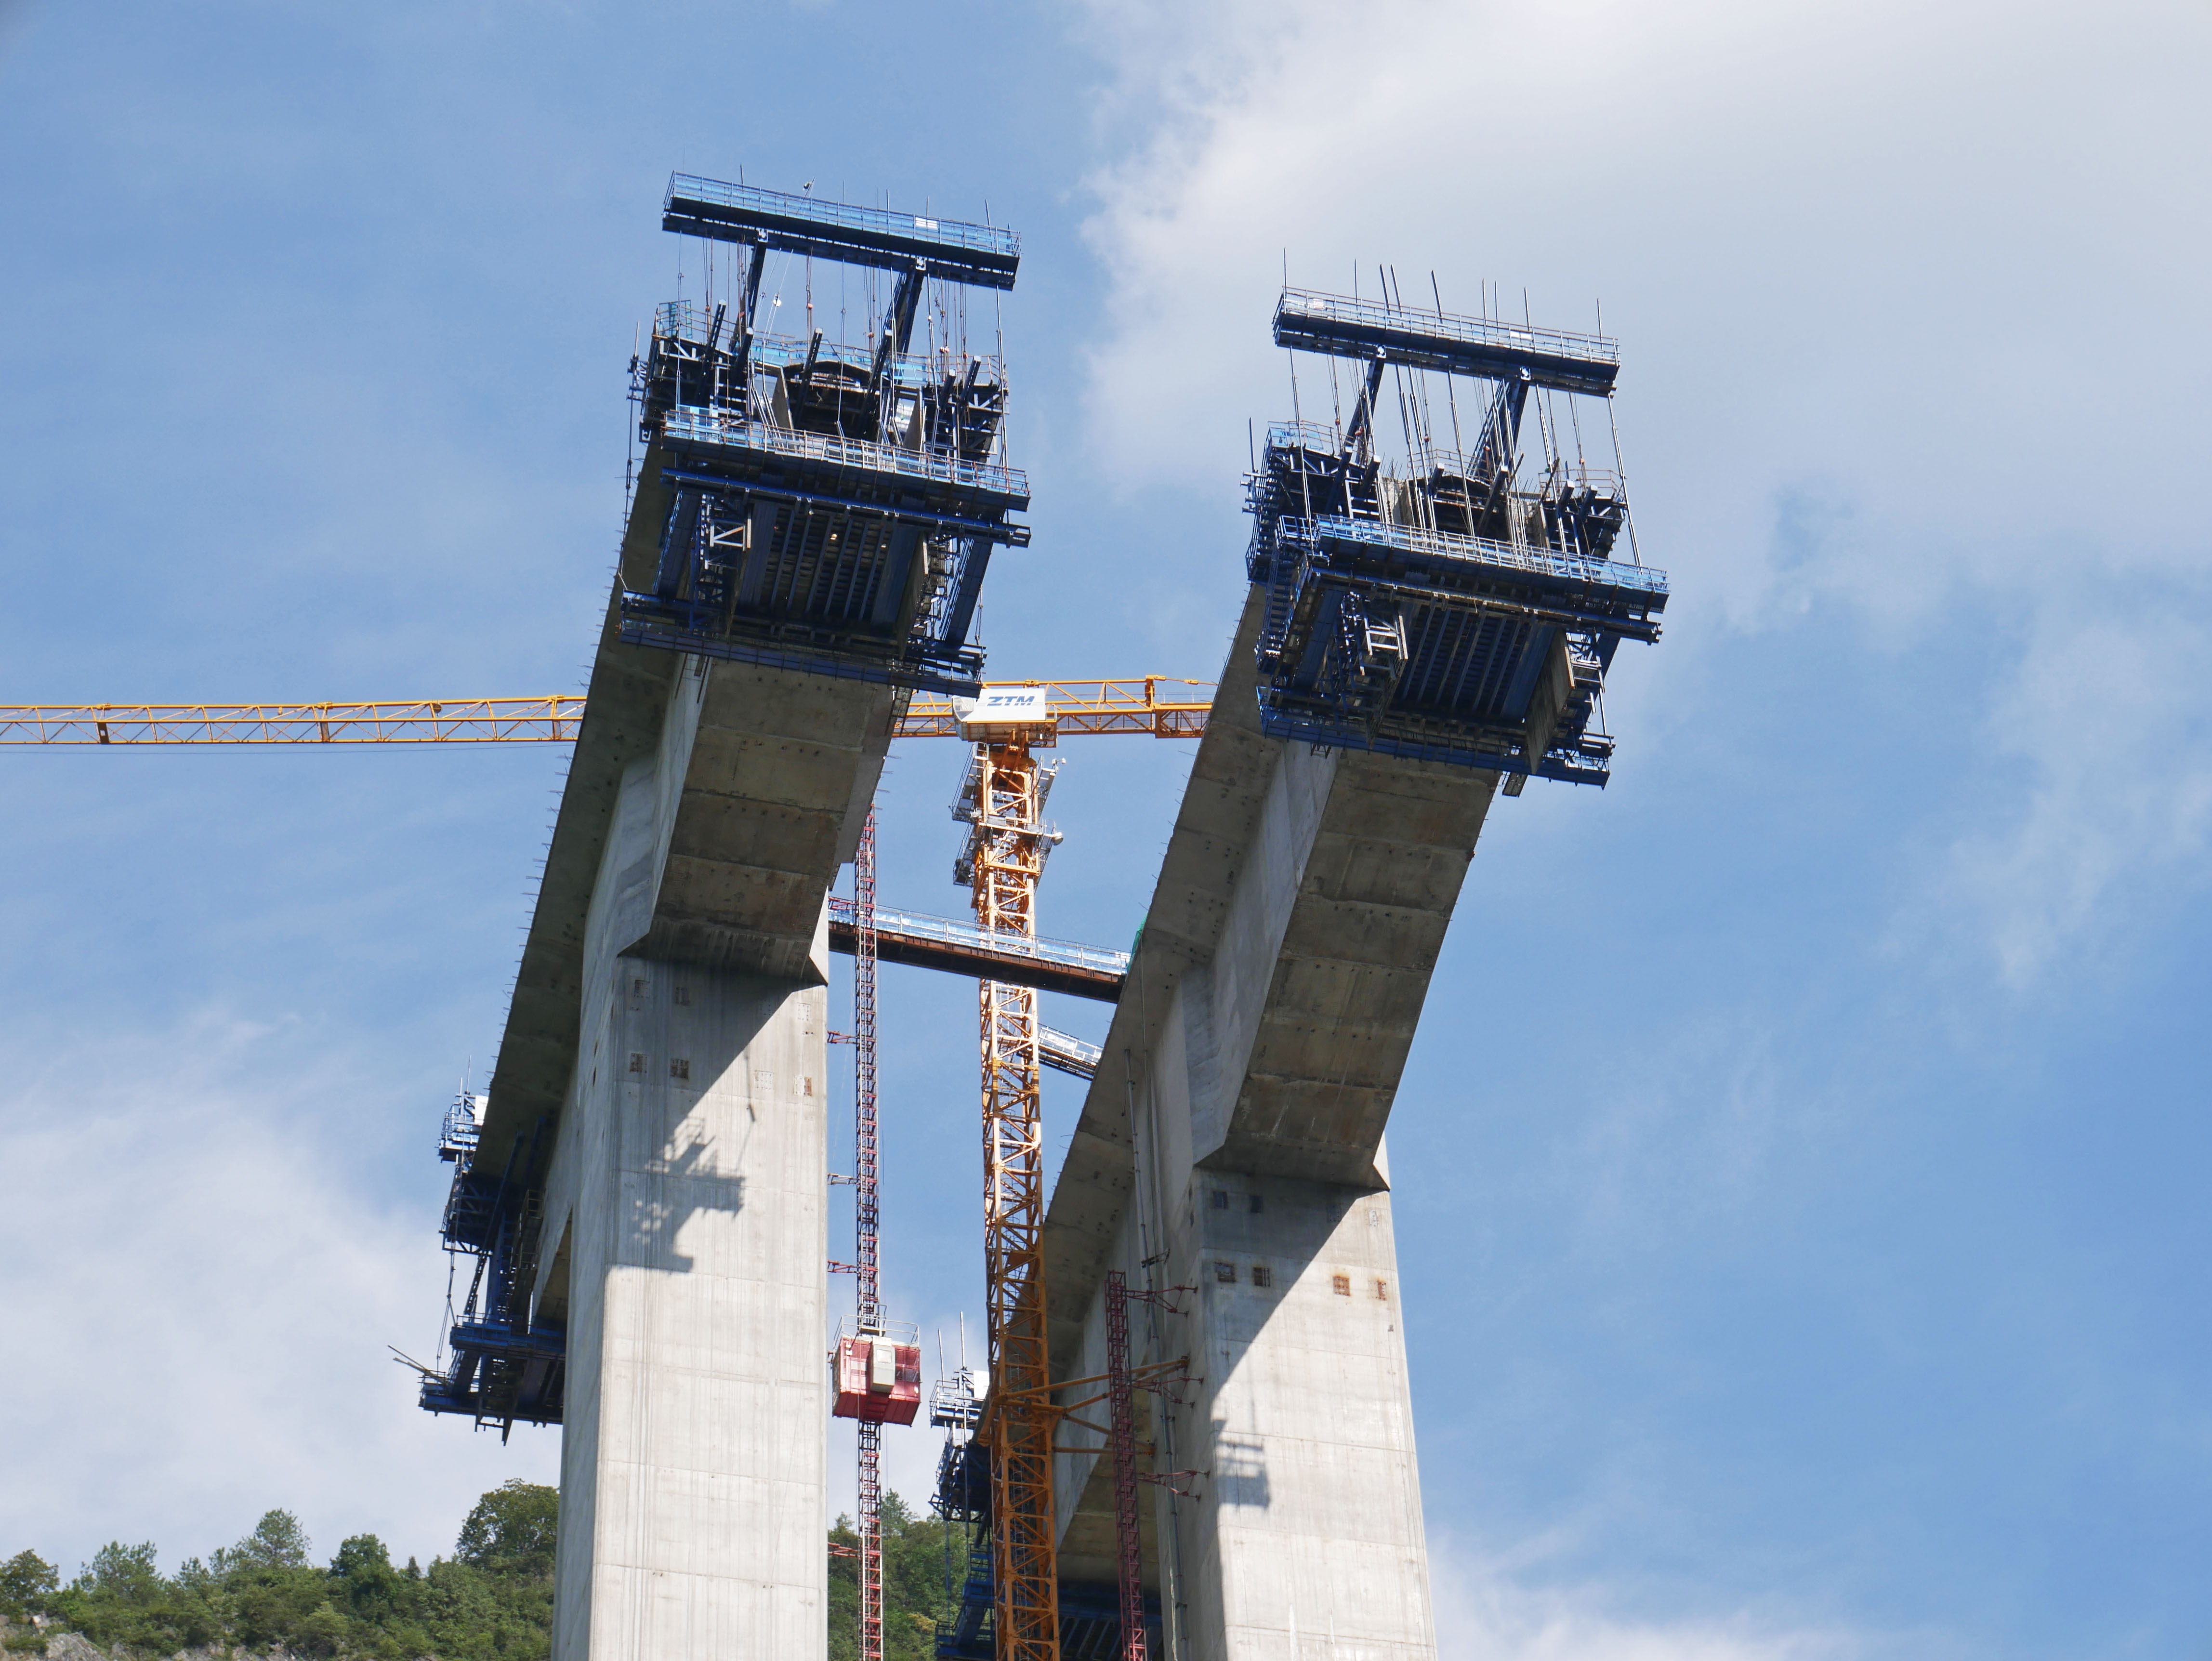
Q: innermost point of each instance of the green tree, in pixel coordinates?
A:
(119, 1597)
(365, 1581)
(277, 1542)
(123, 1574)
(25, 1581)
(844, 1604)
(913, 1584)
(512, 1529)
(262, 1592)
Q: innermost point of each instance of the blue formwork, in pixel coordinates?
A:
(962, 1503)
(1089, 1611)
(1090, 1622)
(1456, 602)
(968, 1636)
(501, 1376)
(825, 506)
(496, 1368)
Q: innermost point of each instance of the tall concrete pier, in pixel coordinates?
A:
(1232, 1143)
(809, 532)
(664, 1083)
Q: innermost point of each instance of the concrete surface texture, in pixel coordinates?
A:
(1232, 1143)
(687, 1202)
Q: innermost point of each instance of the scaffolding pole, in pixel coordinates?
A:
(1120, 1387)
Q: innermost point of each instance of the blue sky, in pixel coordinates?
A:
(1801, 1169)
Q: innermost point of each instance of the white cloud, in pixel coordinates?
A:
(198, 1298)
(2102, 724)
(1922, 268)
(1492, 1608)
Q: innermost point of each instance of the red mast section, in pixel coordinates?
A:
(869, 1307)
(878, 1372)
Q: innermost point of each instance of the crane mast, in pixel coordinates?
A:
(1004, 797)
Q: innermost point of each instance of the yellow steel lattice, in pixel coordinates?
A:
(423, 720)
(1005, 857)
(1151, 704)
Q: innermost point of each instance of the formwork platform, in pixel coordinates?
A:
(1452, 594)
(826, 506)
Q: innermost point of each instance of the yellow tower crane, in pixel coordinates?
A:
(1003, 799)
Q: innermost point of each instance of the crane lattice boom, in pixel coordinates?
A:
(1149, 705)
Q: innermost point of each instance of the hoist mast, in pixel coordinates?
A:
(868, 1306)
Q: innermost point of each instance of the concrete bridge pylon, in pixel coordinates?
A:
(1232, 1143)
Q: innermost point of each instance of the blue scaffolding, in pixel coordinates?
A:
(1456, 596)
(826, 506)
(498, 1369)
(1089, 1611)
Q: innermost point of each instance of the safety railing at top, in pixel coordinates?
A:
(1448, 326)
(1069, 1045)
(1303, 435)
(1601, 573)
(1602, 481)
(1438, 458)
(702, 427)
(841, 216)
(916, 926)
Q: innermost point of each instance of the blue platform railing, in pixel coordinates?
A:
(688, 320)
(937, 466)
(950, 932)
(1641, 580)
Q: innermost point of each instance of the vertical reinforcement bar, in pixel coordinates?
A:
(1120, 1388)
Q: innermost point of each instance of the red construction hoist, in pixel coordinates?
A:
(879, 1379)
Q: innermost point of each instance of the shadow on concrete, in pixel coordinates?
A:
(1240, 1469)
(678, 1192)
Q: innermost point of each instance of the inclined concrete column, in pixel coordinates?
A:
(1232, 1142)
(685, 1247)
